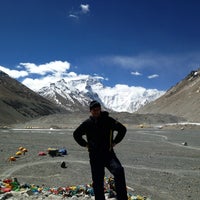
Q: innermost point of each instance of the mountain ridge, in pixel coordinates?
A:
(80, 92)
(18, 103)
(180, 100)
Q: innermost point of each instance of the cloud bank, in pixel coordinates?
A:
(37, 76)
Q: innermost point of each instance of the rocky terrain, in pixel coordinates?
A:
(19, 104)
(157, 163)
(181, 100)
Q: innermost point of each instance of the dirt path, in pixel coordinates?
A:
(10, 171)
(166, 140)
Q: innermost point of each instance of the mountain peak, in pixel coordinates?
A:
(78, 92)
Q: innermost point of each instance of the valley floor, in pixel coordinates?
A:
(162, 164)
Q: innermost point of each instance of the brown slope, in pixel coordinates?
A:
(181, 100)
(18, 103)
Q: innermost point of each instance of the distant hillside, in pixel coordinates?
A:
(181, 100)
(18, 103)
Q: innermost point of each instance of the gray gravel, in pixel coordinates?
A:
(156, 162)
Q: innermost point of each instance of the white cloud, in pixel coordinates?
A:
(85, 8)
(54, 67)
(153, 76)
(73, 16)
(136, 73)
(46, 73)
(49, 72)
(14, 73)
(38, 76)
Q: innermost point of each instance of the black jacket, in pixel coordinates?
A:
(99, 133)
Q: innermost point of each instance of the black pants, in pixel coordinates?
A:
(98, 162)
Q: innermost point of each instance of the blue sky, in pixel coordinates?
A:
(147, 43)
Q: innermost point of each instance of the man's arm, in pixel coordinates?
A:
(78, 135)
(121, 131)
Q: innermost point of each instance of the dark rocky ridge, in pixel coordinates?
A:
(19, 104)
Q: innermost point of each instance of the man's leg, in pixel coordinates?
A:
(97, 169)
(115, 167)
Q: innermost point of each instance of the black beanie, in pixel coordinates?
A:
(95, 104)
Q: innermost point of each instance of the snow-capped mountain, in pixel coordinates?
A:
(75, 94)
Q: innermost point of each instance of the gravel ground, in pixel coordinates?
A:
(157, 163)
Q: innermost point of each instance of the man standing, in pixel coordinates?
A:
(99, 129)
